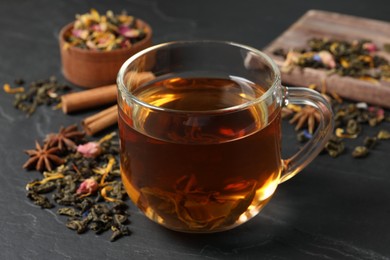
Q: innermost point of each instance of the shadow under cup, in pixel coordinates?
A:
(200, 133)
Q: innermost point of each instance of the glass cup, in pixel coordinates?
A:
(200, 133)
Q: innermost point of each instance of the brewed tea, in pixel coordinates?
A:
(190, 167)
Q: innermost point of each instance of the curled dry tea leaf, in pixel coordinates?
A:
(79, 225)
(70, 212)
(39, 200)
(335, 146)
(383, 135)
(360, 152)
(119, 231)
(370, 142)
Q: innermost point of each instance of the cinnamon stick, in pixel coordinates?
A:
(89, 99)
(101, 120)
(98, 97)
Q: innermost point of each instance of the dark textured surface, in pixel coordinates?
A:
(335, 209)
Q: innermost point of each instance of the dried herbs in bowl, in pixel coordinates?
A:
(95, 46)
(94, 31)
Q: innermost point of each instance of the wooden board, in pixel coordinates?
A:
(321, 24)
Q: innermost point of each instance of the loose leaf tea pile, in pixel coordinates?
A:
(41, 92)
(358, 59)
(104, 32)
(83, 178)
(350, 118)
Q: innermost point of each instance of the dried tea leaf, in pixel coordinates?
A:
(386, 47)
(335, 146)
(42, 92)
(360, 152)
(77, 225)
(370, 142)
(383, 135)
(40, 200)
(76, 173)
(119, 231)
(70, 212)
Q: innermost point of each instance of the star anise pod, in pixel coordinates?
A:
(43, 158)
(307, 115)
(66, 138)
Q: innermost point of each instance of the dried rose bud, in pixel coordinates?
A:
(82, 34)
(128, 32)
(370, 47)
(327, 59)
(89, 150)
(88, 186)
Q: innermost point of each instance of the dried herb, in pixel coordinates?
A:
(304, 136)
(42, 92)
(105, 32)
(39, 200)
(307, 115)
(65, 138)
(349, 121)
(356, 59)
(383, 135)
(335, 146)
(386, 47)
(87, 187)
(7, 88)
(43, 158)
(360, 151)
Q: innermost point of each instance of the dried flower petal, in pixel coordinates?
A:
(342, 134)
(7, 88)
(105, 32)
(291, 59)
(370, 47)
(82, 34)
(88, 186)
(327, 59)
(89, 150)
(304, 136)
(104, 192)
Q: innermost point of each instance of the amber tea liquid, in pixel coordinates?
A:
(200, 170)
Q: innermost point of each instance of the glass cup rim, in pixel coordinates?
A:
(128, 95)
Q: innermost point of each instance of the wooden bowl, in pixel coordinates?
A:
(92, 68)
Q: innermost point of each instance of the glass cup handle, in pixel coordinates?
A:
(306, 96)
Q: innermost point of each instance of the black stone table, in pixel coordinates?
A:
(334, 209)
